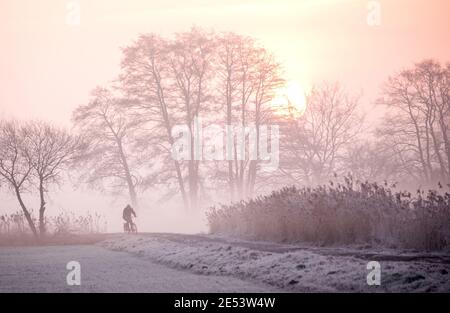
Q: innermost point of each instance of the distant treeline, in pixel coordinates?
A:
(121, 140)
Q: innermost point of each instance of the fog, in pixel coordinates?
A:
(53, 61)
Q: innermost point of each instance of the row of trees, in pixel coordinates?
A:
(125, 131)
(410, 145)
(225, 78)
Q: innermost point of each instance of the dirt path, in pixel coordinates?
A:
(43, 269)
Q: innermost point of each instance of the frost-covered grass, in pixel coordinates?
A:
(43, 269)
(342, 213)
(291, 267)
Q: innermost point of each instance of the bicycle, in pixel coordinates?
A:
(130, 230)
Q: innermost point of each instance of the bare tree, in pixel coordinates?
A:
(33, 155)
(268, 81)
(370, 160)
(229, 70)
(417, 125)
(15, 168)
(314, 146)
(146, 78)
(174, 81)
(49, 151)
(249, 77)
(170, 82)
(190, 58)
(108, 131)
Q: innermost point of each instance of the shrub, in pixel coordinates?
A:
(343, 213)
(70, 223)
(13, 226)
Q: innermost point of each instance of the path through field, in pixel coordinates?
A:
(43, 269)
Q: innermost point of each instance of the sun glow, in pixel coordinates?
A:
(290, 100)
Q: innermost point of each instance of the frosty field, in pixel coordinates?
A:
(43, 269)
(203, 263)
(292, 268)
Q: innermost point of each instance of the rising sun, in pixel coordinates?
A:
(290, 100)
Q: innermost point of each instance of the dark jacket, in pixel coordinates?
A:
(127, 212)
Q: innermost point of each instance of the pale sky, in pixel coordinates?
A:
(47, 67)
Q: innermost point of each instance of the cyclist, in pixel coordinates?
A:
(127, 214)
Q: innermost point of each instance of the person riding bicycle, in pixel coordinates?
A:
(127, 215)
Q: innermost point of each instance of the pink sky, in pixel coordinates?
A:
(47, 68)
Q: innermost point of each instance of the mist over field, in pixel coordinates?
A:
(252, 139)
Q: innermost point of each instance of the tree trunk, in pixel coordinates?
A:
(438, 153)
(128, 177)
(193, 177)
(41, 209)
(167, 125)
(419, 143)
(444, 130)
(231, 178)
(252, 171)
(26, 213)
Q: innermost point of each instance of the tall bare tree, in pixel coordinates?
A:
(146, 78)
(249, 78)
(417, 125)
(109, 133)
(170, 83)
(190, 65)
(15, 168)
(34, 155)
(49, 151)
